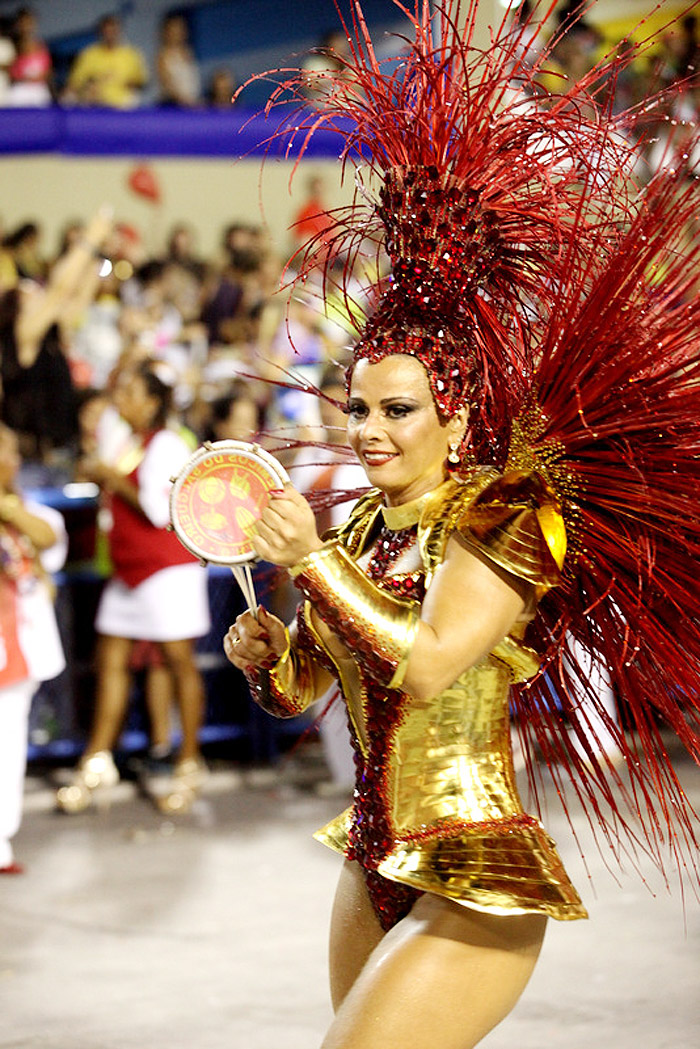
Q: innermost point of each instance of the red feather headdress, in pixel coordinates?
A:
(467, 186)
(534, 277)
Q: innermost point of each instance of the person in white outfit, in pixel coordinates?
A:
(158, 592)
(33, 544)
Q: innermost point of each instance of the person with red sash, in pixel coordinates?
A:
(33, 543)
(158, 592)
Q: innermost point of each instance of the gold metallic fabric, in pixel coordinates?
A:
(288, 688)
(449, 796)
(516, 521)
(383, 627)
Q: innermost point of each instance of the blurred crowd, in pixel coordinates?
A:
(104, 344)
(221, 323)
(672, 61)
(113, 71)
(70, 330)
(115, 365)
(109, 72)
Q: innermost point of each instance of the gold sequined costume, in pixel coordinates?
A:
(436, 805)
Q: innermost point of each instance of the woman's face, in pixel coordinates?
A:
(89, 418)
(9, 458)
(175, 31)
(394, 428)
(135, 404)
(241, 423)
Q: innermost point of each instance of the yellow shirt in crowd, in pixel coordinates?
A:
(108, 76)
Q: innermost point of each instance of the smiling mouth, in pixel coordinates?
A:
(378, 458)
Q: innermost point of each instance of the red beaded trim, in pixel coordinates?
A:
(452, 828)
(371, 834)
(391, 900)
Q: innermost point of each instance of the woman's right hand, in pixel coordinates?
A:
(252, 642)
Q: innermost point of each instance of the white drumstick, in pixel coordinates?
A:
(244, 578)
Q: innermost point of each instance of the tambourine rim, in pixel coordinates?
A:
(248, 449)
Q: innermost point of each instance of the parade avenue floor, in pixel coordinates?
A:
(132, 931)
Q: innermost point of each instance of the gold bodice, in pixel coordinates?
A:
(449, 804)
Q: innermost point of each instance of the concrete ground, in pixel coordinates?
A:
(129, 930)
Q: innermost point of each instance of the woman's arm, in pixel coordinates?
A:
(107, 477)
(163, 459)
(284, 679)
(468, 609)
(470, 606)
(47, 307)
(39, 531)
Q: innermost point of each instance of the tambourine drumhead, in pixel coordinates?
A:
(218, 496)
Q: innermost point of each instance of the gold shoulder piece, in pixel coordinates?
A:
(515, 522)
(442, 513)
(551, 523)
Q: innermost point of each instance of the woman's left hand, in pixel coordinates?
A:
(286, 532)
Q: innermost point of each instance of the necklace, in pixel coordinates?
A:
(390, 546)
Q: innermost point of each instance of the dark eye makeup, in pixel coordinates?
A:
(394, 410)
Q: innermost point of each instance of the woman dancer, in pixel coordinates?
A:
(427, 693)
(157, 592)
(424, 606)
(33, 543)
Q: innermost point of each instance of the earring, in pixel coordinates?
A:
(454, 456)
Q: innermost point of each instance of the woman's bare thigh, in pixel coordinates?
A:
(445, 976)
(355, 931)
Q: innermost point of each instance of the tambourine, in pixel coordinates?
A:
(216, 500)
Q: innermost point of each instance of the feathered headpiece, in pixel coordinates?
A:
(538, 283)
(468, 185)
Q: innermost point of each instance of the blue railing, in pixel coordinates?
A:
(152, 133)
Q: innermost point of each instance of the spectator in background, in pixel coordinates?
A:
(106, 437)
(221, 88)
(158, 591)
(236, 415)
(71, 232)
(32, 542)
(147, 316)
(98, 341)
(311, 219)
(184, 273)
(38, 394)
(179, 81)
(229, 310)
(577, 47)
(324, 60)
(22, 244)
(7, 57)
(109, 72)
(180, 250)
(30, 72)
